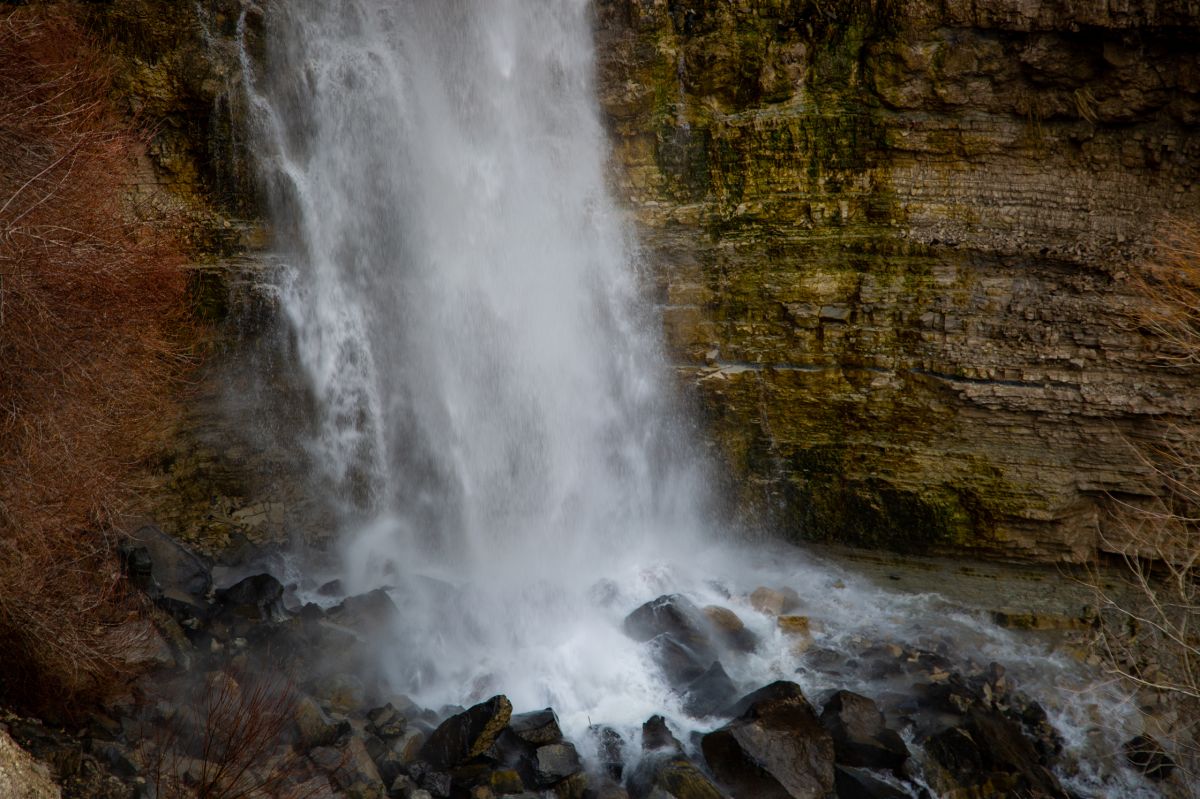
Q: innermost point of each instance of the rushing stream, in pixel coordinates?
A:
(497, 433)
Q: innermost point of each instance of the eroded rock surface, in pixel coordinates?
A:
(893, 241)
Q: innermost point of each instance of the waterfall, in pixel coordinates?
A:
(466, 303)
(494, 422)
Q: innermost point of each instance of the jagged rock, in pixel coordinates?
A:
(680, 663)
(536, 727)
(343, 693)
(775, 748)
(610, 750)
(669, 775)
(386, 721)
(257, 598)
(350, 768)
(709, 693)
(314, 727)
(657, 735)
(991, 750)
(505, 781)
(366, 613)
(860, 735)
(673, 615)
(857, 783)
(555, 762)
(467, 734)
(1147, 756)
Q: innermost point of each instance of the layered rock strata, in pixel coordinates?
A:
(892, 243)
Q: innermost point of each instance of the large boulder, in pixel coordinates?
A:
(990, 752)
(709, 693)
(174, 569)
(672, 615)
(775, 748)
(468, 734)
(537, 727)
(860, 735)
(255, 598)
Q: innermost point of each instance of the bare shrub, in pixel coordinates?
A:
(228, 740)
(1150, 608)
(91, 310)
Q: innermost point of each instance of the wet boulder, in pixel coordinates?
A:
(681, 664)
(775, 748)
(554, 763)
(990, 751)
(860, 735)
(467, 734)
(673, 615)
(350, 769)
(366, 613)
(610, 750)
(536, 727)
(774, 601)
(729, 629)
(314, 727)
(709, 693)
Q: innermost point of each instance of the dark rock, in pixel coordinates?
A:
(331, 588)
(666, 774)
(366, 613)
(555, 762)
(1147, 756)
(573, 787)
(610, 750)
(670, 614)
(990, 749)
(860, 735)
(537, 727)
(680, 663)
(257, 598)
(709, 692)
(656, 735)
(776, 747)
(468, 734)
(505, 781)
(314, 727)
(856, 783)
(350, 769)
(386, 722)
(178, 571)
(139, 569)
(438, 783)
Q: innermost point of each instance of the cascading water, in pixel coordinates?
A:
(494, 425)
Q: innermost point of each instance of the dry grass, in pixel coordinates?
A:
(91, 307)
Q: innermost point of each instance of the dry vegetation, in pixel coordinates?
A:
(1151, 634)
(91, 310)
(228, 740)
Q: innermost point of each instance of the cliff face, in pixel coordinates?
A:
(892, 241)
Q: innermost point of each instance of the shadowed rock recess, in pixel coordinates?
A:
(892, 241)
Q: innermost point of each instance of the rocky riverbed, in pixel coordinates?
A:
(260, 693)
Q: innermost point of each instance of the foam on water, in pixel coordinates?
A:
(494, 429)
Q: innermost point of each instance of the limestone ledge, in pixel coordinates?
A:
(892, 243)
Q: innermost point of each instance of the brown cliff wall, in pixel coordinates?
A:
(892, 240)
